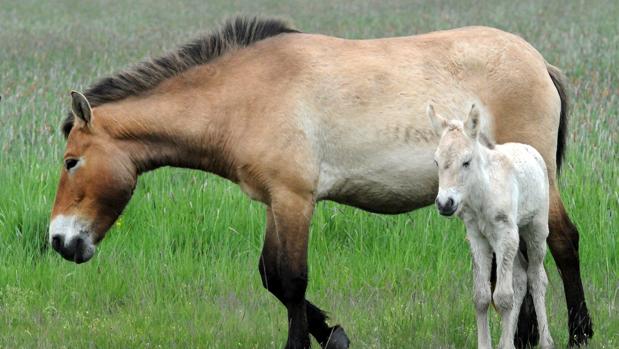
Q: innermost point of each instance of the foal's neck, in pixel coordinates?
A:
(172, 129)
(479, 186)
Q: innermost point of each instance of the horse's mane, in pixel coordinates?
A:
(235, 33)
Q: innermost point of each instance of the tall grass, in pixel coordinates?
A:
(180, 267)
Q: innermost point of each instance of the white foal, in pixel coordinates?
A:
(501, 194)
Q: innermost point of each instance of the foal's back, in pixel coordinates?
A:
(528, 171)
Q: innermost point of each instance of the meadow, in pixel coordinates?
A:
(179, 269)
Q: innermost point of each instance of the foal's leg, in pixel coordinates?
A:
(482, 262)
(563, 243)
(273, 278)
(538, 281)
(505, 249)
(520, 287)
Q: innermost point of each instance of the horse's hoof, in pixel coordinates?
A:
(526, 338)
(582, 333)
(337, 339)
(527, 333)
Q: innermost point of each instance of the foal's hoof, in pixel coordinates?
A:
(337, 339)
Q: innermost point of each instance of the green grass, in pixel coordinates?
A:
(180, 267)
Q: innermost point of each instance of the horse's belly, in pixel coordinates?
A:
(385, 181)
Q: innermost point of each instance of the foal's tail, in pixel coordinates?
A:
(558, 79)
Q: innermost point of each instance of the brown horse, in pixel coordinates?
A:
(296, 118)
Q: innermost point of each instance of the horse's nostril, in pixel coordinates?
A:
(78, 249)
(79, 243)
(57, 241)
(450, 203)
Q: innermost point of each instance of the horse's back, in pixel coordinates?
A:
(361, 105)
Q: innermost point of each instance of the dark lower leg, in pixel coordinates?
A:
(563, 242)
(527, 333)
(298, 337)
(291, 292)
(317, 323)
(328, 337)
(300, 311)
(316, 318)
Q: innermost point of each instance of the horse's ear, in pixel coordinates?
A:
(438, 123)
(80, 107)
(471, 124)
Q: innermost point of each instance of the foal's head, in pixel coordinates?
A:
(96, 183)
(458, 158)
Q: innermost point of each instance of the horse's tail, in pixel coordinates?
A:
(558, 79)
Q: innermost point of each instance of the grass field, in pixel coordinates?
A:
(179, 269)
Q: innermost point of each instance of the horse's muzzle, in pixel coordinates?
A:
(77, 250)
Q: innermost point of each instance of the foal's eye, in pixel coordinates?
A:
(70, 163)
(466, 164)
(436, 163)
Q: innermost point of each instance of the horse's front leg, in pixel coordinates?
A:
(328, 337)
(505, 249)
(482, 263)
(284, 260)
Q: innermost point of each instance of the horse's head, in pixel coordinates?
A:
(96, 183)
(457, 158)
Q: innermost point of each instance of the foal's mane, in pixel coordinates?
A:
(484, 140)
(233, 34)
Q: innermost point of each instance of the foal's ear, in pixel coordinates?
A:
(438, 123)
(471, 125)
(80, 107)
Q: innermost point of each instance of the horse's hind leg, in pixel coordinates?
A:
(563, 243)
(273, 268)
(527, 334)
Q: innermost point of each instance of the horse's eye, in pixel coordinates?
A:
(436, 163)
(466, 163)
(70, 163)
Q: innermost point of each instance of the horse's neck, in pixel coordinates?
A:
(170, 130)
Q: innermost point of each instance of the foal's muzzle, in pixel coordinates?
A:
(447, 208)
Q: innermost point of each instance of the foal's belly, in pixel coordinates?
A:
(386, 181)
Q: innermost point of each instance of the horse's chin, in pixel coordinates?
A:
(85, 256)
(81, 256)
(450, 213)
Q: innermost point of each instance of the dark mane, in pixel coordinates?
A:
(235, 33)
